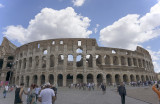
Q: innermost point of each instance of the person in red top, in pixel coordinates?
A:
(156, 89)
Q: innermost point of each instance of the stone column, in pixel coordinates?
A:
(74, 78)
(104, 79)
(64, 80)
(4, 63)
(85, 78)
(95, 79)
(27, 64)
(111, 60)
(24, 80)
(65, 62)
(119, 61)
(55, 80)
(132, 62)
(46, 78)
(126, 59)
(113, 79)
(31, 80)
(94, 62)
(39, 80)
(40, 62)
(84, 63)
(103, 60)
(47, 62)
(74, 62)
(56, 62)
(33, 63)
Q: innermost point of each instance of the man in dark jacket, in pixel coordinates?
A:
(122, 92)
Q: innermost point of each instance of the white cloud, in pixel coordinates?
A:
(1, 5)
(132, 30)
(50, 23)
(78, 2)
(96, 28)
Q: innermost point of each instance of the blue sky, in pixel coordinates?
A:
(121, 24)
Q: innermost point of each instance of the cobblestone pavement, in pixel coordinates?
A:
(75, 96)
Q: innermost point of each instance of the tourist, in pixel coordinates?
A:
(18, 94)
(122, 92)
(55, 91)
(103, 87)
(4, 93)
(37, 89)
(47, 95)
(31, 95)
(156, 89)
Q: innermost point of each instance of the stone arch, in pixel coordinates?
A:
(27, 81)
(60, 80)
(79, 78)
(69, 79)
(147, 78)
(51, 79)
(109, 79)
(30, 62)
(52, 58)
(99, 79)
(37, 61)
(89, 78)
(79, 61)
(139, 63)
(70, 60)
(35, 79)
(123, 60)
(132, 78)
(142, 78)
(89, 60)
(24, 63)
(60, 59)
(134, 61)
(98, 59)
(115, 60)
(107, 59)
(9, 76)
(44, 62)
(129, 61)
(117, 79)
(42, 77)
(137, 78)
(125, 78)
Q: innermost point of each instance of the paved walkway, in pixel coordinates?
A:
(74, 96)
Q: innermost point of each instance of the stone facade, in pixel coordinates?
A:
(74, 60)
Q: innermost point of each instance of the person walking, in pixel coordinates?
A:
(31, 99)
(47, 95)
(156, 89)
(122, 92)
(18, 94)
(103, 87)
(4, 93)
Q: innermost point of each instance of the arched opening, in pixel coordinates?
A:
(79, 50)
(69, 79)
(123, 60)
(144, 64)
(37, 61)
(137, 78)
(115, 60)
(125, 78)
(139, 63)
(42, 79)
(10, 58)
(99, 79)
(117, 79)
(132, 78)
(79, 78)
(89, 78)
(129, 62)
(142, 78)
(51, 79)
(24, 63)
(1, 63)
(45, 52)
(60, 80)
(70, 60)
(9, 76)
(20, 62)
(89, 60)
(147, 78)
(79, 61)
(134, 61)
(107, 59)
(52, 61)
(98, 60)
(22, 79)
(17, 81)
(44, 62)
(9, 65)
(60, 59)
(35, 79)
(109, 79)
(30, 62)
(27, 81)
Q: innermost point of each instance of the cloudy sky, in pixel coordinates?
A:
(114, 23)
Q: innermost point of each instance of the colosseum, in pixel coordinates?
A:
(72, 60)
